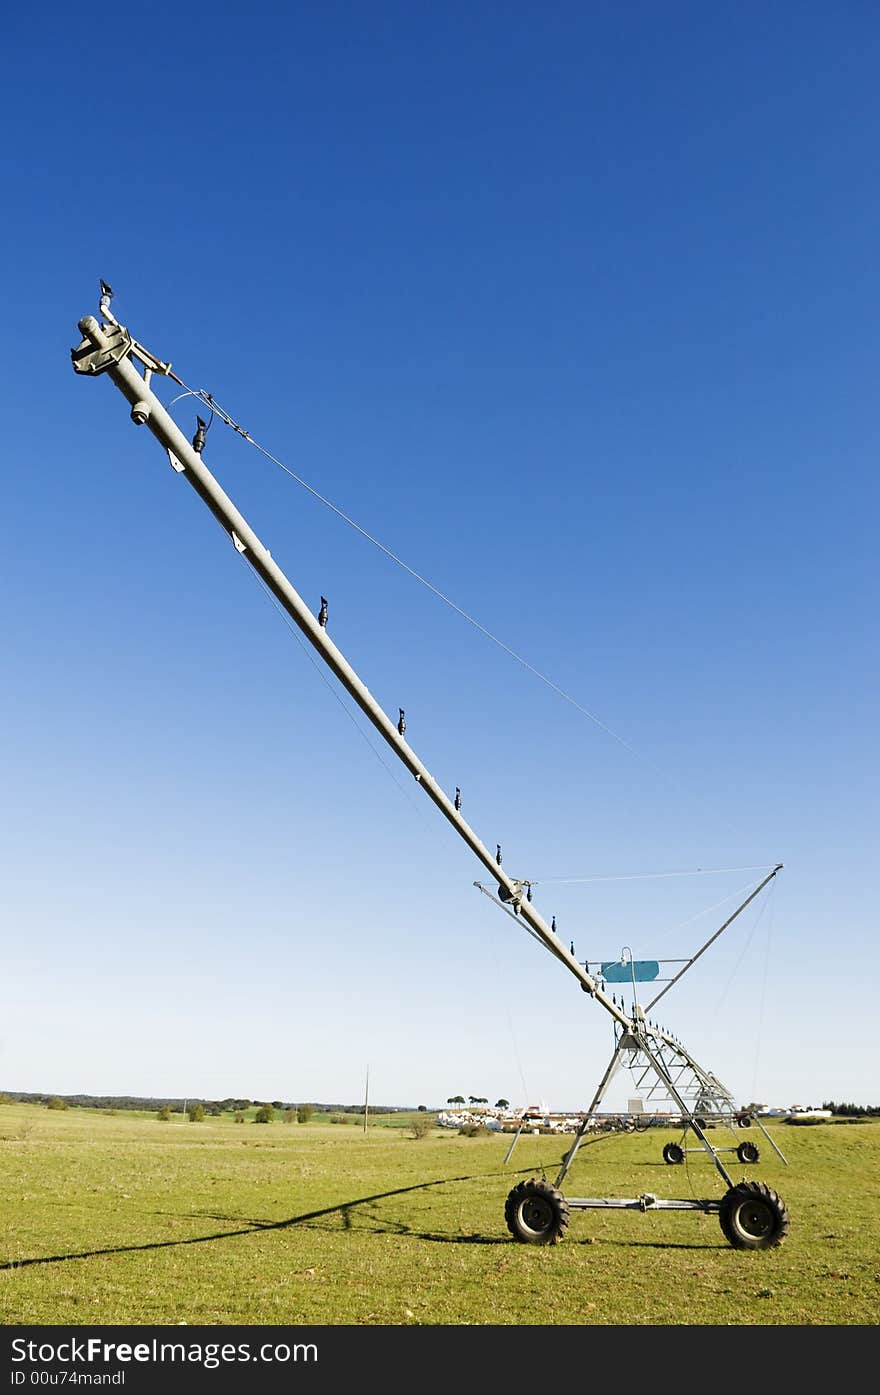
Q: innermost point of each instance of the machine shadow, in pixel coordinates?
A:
(254, 1226)
(354, 1215)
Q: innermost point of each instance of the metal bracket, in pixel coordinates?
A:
(512, 898)
(150, 361)
(89, 360)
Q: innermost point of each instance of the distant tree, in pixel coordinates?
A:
(290, 1115)
(422, 1126)
(456, 1099)
(854, 1111)
(278, 1104)
(422, 1108)
(304, 1113)
(239, 1117)
(164, 1113)
(56, 1102)
(264, 1115)
(214, 1110)
(502, 1104)
(195, 1113)
(6, 1099)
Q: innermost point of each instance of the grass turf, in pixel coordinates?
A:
(122, 1219)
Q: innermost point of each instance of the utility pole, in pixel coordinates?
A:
(366, 1098)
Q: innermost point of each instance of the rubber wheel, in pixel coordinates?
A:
(748, 1152)
(753, 1217)
(673, 1153)
(701, 1123)
(744, 1121)
(536, 1213)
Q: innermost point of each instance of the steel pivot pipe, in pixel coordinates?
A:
(148, 410)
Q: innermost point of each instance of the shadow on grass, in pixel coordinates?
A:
(254, 1227)
(345, 1209)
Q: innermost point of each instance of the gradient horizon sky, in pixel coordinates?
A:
(575, 309)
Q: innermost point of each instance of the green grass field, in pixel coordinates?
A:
(120, 1219)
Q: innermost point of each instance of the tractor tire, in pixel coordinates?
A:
(536, 1213)
(753, 1217)
(748, 1152)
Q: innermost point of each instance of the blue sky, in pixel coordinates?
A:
(575, 308)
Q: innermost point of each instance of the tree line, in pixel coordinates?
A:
(858, 1111)
(229, 1105)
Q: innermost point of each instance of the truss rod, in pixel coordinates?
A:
(713, 938)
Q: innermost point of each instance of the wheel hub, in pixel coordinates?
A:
(536, 1213)
(755, 1218)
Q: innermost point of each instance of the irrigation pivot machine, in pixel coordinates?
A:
(751, 1214)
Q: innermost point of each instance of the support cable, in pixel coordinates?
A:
(647, 876)
(716, 905)
(209, 401)
(734, 971)
(762, 1001)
